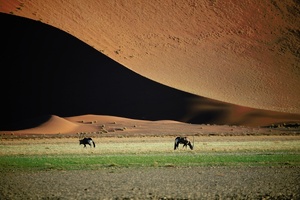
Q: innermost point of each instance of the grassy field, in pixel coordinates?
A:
(66, 154)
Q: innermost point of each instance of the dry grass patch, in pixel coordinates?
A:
(147, 145)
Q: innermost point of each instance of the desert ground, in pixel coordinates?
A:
(115, 136)
(155, 183)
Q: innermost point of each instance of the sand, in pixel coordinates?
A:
(240, 52)
(112, 126)
(245, 53)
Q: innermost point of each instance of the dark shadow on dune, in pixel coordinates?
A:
(51, 72)
(30, 122)
(46, 71)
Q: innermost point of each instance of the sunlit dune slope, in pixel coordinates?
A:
(241, 52)
(57, 125)
(104, 125)
(99, 118)
(49, 72)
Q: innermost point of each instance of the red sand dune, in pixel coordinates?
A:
(241, 52)
(98, 118)
(76, 124)
(56, 125)
(103, 125)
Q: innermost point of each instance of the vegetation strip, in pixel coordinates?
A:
(78, 162)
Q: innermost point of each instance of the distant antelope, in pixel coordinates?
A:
(183, 140)
(88, 141)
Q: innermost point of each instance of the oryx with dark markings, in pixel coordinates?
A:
(182, 140)
(86, 141)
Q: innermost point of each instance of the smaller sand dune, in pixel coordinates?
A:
(56, 125)
(87, 119)
(103, 119)
(87, 123)
(113, 125)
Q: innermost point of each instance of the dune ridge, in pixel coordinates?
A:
(126, 93)
(105, 125)
(56, 125)
(92, 118)
(99, 118)
(241, 52)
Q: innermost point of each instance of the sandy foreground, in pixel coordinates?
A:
(155, 183)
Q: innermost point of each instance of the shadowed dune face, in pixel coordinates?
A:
(241, 52)
(49, 72)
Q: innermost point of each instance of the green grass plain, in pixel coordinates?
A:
(67, 154)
